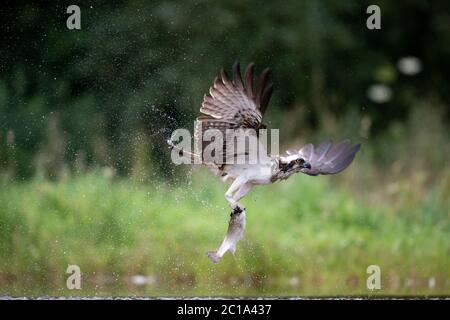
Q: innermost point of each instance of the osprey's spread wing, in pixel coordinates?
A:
(326, 158)
(233, 104)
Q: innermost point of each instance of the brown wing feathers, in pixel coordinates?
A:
(233, 103)
(263, 92)
(227, 97)
(249, 80)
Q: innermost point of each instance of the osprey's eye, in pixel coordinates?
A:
(300, 161)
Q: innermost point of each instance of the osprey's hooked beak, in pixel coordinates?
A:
(306, 165)
(301, 163)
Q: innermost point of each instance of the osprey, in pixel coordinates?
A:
(236, 105)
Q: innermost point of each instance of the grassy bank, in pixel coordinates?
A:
(306, 236)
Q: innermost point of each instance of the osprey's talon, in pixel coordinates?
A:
(236, 210)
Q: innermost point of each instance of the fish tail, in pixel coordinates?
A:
(213, 256)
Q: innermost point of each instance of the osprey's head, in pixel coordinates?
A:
(293, 163)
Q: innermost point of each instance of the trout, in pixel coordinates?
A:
(236, 227)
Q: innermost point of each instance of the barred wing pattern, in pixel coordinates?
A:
(326, 158)
(233, 104)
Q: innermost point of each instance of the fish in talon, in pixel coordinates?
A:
(235, 232)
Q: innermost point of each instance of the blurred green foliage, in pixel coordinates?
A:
(297, 244)
(140, 68)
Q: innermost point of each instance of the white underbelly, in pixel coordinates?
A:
(256, 174)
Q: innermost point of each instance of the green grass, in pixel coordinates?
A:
(305, 236)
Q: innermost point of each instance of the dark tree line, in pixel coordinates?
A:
(139, 69)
